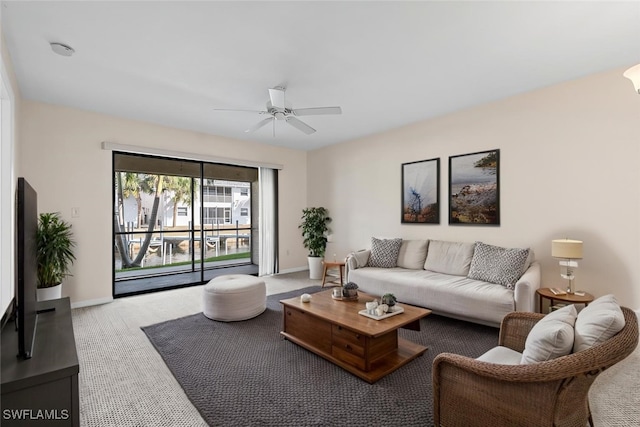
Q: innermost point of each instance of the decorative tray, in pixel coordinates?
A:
(355, 298)
(395, 311)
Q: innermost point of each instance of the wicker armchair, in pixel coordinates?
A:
(467, 392)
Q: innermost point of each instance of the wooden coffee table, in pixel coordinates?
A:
(368, 348)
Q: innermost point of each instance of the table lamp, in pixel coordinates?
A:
(567, 250)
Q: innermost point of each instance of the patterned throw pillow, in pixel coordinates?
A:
(497, 265)
(384, 252)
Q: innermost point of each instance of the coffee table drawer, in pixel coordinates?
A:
(348, 336)
(348, 346)
(308, 328)
(349, 357)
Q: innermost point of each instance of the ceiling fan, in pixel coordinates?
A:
(277, 109)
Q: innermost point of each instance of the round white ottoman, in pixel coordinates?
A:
(234, 297)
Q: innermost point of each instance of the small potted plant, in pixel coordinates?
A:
(54, 243)
(389, 299)
(350, 290)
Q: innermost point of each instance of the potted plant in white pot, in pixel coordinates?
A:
(54, 242)
(314, 232)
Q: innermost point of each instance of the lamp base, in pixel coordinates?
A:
(570, 288)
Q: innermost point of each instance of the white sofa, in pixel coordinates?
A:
(469, 281)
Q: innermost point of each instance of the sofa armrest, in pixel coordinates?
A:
(524, 293)
(356, 260)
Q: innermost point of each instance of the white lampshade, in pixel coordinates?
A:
(566, 248)
(633, 74)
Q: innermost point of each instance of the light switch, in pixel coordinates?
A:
(75, 212)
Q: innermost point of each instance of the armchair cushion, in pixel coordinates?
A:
(501, 355)
(384, 252)
(598, 322)
(551, 337)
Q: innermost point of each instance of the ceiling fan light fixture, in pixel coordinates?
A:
(62, 49)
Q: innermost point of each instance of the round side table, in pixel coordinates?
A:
(545, 293)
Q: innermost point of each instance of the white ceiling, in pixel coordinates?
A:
(386, 64)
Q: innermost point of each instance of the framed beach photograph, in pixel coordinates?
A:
(474, 188)
(421, 192)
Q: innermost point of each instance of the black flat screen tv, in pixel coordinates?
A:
(26, 267)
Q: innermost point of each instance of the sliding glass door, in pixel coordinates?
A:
(176, 220)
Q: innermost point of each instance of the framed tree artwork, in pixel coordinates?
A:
(421, 192)
(474, 188)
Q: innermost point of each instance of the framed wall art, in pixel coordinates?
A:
(421, 192)
(474, 188)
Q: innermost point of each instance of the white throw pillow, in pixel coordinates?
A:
(384, 252)
(551, 337)
(412, 254)
(598, 322)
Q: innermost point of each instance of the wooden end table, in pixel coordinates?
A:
(328, 265)
(545, 293)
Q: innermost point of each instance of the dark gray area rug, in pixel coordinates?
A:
(246, 374)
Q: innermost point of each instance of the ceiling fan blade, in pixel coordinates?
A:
(259, 125)
(300, 125)
(277, 97)
(240, 111)
(317, 111)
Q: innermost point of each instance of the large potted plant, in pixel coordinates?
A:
(314, 232)
(54, 243)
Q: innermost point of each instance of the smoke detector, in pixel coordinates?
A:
(62, 49)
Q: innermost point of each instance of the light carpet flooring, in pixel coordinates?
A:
(124, 381)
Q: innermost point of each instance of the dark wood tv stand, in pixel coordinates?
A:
(42, 390)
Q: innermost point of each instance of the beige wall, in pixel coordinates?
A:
(63, 161)
(569, 168)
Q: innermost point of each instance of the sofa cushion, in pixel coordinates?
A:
(384, 252)
(497, 265)
(551, 337)
(413, 254)
(598, 322)
(449, 257)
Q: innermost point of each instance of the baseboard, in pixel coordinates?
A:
(89, 303)
(293, 270)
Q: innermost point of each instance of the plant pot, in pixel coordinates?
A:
(315, 267)
(350, 293)
(53, 292)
